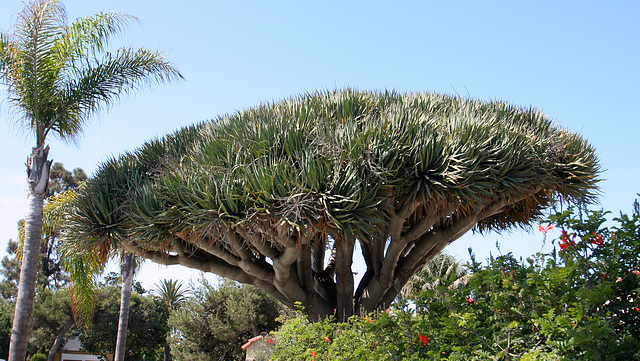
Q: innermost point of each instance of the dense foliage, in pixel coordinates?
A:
(217, 320)
(259, 196)
(578, 302)
(147, 327)
(6, 317)
(52, 318)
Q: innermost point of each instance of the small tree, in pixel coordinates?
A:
(260, 196)
(216, 321)
(146, 329)
(174, 296)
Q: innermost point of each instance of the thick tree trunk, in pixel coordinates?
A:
(37, 180)
(128, 266)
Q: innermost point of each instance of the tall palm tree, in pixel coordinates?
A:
(173, 295)
(57, 76)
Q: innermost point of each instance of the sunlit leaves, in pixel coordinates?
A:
(344, 160)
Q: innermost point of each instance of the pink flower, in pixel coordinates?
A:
(423, 339)
(545, 229)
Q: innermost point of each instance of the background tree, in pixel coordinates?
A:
(172, 293)
(52, 322)
(51, 274)
(174, 296)
(6, 319)
(216, 321)
(146, 331)
(441, 270)
(261, 195)
(56, 80)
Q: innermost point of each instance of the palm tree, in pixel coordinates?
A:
(443, 269)
(57, 76)
(172, 293)
(173, 296)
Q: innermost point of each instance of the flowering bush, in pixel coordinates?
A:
(578, 302)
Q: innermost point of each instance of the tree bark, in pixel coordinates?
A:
(37, 181)
(128, 266)
(167, 352)
(59, 340)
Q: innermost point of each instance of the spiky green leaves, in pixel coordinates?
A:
(346, 160)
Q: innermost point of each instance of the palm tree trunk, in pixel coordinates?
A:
(128, 267)
(37, 181)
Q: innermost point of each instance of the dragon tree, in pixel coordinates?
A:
(278, 195)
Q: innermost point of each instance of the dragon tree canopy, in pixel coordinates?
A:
(261, 195)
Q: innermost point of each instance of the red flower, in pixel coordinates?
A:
(313, 354)
(566, 240)
(326, 339)
(564, 245)
(470, 300)
(423, 339)
(598, 240)
(545, 229)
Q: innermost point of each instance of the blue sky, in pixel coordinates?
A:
(575, 60)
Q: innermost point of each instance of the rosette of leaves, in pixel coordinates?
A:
(264, 195)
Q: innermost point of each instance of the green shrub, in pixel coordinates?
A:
(39, 357)
(578, 302)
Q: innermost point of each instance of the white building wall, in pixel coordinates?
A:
(76, 357)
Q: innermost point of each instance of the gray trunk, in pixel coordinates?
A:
(128, 266)
(37, 180)
(59, 340)
(167, 352)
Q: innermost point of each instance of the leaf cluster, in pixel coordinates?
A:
(343, 160)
